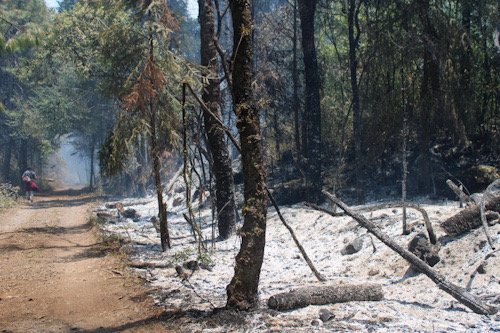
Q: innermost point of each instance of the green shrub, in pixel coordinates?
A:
(8, 195)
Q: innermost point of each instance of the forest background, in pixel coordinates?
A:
(367, 99)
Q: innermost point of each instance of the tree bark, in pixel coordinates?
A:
(155, 152)
(162, 210)
(295, 78)
(469, 300)
(321, 295)
(224, 183)
(7, 160)
(311, 137)
(356, 109)
(429, 92)
(23, 156)
(242, 290)
(469, 218)
(92, 162)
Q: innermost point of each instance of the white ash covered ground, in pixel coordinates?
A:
(412, 303)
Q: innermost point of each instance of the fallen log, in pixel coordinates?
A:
(320, 295)
(469, 300)
(105, 215)
(469, 218)
(152, 265)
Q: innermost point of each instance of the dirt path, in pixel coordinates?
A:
(55, 276)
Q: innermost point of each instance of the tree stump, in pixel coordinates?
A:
(422, 248)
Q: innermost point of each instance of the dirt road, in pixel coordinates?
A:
(56, 276)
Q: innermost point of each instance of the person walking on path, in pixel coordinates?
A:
(30, 186)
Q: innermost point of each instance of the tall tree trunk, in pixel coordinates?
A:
(22, 160)
(224, 183)
(242, 290)
(92, 171)
(429, 93)
(162, 209)
(155, 152)
(295, 79)
(277, 134)
(312, 118)
(7, 160)
(353, 62)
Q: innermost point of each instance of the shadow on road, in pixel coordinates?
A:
(65, 198)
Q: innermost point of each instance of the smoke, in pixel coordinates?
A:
(69, 166)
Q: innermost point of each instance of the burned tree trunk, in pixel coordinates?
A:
(354, 34)
(311, 137)
(295, 79)
(242, 290)
(469, 218)
(224, 183)
(320, 295)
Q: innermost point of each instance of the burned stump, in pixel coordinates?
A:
(422, 248)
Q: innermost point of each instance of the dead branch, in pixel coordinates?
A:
(324, 210)
(479, 200)
(425, 216)
(301, 249)
(479, 269)
(464, 198)
(469, 300)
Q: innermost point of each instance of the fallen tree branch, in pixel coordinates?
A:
(320, 295)
(425, 216)
(301, 249)
(464, 198)
(469, 300)
(479, 199)
(479, 269)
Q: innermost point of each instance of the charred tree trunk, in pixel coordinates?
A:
(23, 156)
(461, 94)
(295, 78)
(242, 290)
(311, 137)
(7, 160)
(429, 93)
(224, 183)
(155, 153)
(354, 33)
(92, 162)
(162, 209)
(320, 295)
